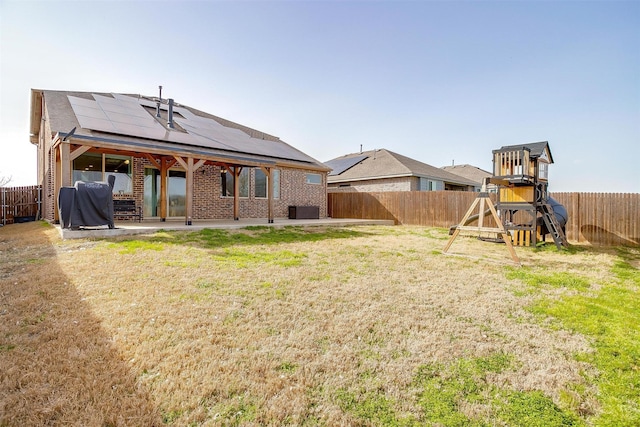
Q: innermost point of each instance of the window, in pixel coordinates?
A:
(314, 178)
(428, 185)
(262, 180)
(275, 175)
(98, 167)
(227, 184)
(120, 167)
(87, 167)
(243, 181)
(543, 171)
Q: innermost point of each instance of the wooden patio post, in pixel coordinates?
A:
(267, 172)
(236, 192)
(65, 164)
(190, 168)
(164, 167)
(189, 195)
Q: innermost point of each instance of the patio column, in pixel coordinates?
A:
(190, 167)
(236, 192)
(164, 168)
(65, 164)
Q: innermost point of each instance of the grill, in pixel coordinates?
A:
(86, 204)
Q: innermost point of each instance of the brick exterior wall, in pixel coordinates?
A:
(46, 174)
(376, 185)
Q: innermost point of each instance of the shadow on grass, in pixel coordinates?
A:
(57, 365)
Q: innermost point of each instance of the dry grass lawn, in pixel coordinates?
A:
(300, 328)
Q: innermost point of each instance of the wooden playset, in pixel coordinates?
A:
(524, 212)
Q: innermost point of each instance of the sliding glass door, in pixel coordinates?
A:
(176, 193)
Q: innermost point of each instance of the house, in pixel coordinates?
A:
(472, 173)
(384, 170)
(174, 161)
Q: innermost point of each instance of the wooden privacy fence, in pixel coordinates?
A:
(598, 218)
(19, 204)
(607, 219)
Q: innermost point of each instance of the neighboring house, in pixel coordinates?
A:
(472, 173)
(173, 160)
(384, 170)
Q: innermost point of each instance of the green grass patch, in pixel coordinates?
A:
(372, 407)
(222, 238)
(242, 259)
(533, 409)
(237, 409)
(539, 279)
(611, 319)
(6, 347)
(257, 235)
(131, 246)
(445, 389)
(287, 367)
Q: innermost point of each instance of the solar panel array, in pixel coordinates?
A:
(342, 164)
(126, 115)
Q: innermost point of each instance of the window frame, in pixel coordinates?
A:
(226, 191)
(123, 161)
(265, 184)
(308, 179)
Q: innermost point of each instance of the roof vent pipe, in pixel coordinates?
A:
(158, 103)
(170, 118)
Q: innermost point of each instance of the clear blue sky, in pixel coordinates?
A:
(436, 81)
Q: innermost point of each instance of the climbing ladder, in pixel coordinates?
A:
(553, 226)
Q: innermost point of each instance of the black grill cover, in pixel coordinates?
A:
(87, 204)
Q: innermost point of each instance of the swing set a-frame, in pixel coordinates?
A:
(483, 200)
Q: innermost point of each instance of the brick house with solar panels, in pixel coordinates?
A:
(174, 161)
(384, 170)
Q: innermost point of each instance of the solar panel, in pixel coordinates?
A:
(341, 164)
(116, 116)
(126, 115)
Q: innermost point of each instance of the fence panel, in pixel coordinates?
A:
(607, 219)
(19, 204)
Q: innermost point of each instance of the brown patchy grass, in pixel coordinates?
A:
(170, 329)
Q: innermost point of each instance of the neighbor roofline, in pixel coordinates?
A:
(404, 175)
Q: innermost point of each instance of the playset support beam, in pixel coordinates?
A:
(482, 199)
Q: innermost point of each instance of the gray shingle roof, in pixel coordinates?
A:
(383, 163)
(470, 172)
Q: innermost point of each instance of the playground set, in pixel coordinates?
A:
(523, 213)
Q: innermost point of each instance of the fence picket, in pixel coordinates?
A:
(606, 219)
(19, 203)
